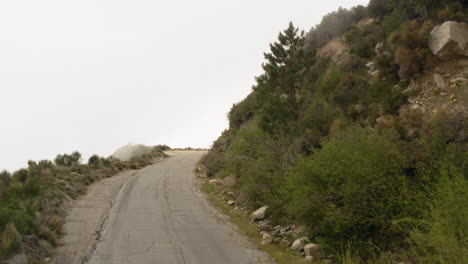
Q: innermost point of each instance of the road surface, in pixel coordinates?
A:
(152, 215)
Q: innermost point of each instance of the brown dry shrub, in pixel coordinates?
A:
(411, 51)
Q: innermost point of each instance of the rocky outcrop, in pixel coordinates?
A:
(259, 214)
(449, 40)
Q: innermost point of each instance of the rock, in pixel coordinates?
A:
(309, 259)
(439, 80)
(358, 108)
(266, 238)
(397, 88)
(47, 260)
(18, 259)
(231, 203)
(259, 214)
(449, 40)
(314, 250)
(414, 107)
(412, 133)
(458, 80)
(215, 182)
(299, 243)
(264, 225)
(379, 48)
(371, 66)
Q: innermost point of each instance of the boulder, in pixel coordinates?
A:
(449, 40)
(314, 250)
(259, 214)
(299, 243)
(309, 259)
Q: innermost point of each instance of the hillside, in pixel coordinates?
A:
(356, 133)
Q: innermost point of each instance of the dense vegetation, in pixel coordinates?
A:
(32, 211)
(323, 144)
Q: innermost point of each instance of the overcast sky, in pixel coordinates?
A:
(93, 75)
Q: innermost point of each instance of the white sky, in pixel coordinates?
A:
(93, 75)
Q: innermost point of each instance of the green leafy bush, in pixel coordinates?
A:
(350, 190)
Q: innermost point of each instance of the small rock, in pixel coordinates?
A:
(259, 214)
(263, 225)
(414, 107)
(314, 250)
(371, 66)
(215, 182)
(231, 203)
(299, 244)
(439, 81)
(412, 133)
(379, 47)
(47, 260)
(358, 108)
(309, 259)
(266, 238)
(459, 80)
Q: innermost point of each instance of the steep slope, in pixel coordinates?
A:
(356, 132)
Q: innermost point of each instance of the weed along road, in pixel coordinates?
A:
(153, 215)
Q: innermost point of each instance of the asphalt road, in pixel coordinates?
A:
(154, 215)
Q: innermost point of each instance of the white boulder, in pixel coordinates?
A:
(299, 243)
(449, 40)
(259, 214)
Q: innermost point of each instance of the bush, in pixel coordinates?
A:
(243, 111)
(21, 175)
(412, 54)
(444, 238)
(351, 190)
(68, 160)
(5, 177)
(94, 160)
(8, 241)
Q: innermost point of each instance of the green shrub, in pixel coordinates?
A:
(352, 88)
(444, 238)
(8, 241)
(243, 111)
(350, 190)
(68, 160)
(5, 177)
(21, 175)
(94, 160)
